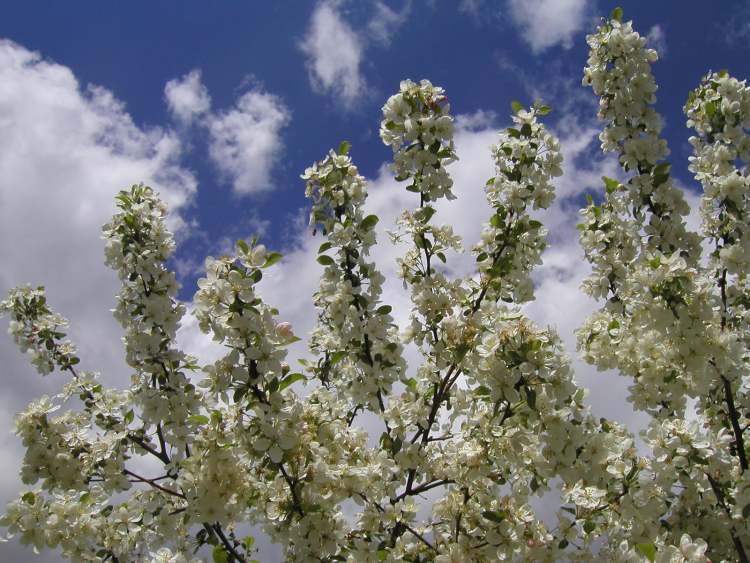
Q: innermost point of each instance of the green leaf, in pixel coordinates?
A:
(617, 14)
(461, 351)
(482, 256)
(648, 550)
(382, 554)
(531, 398)
(336, 357)
(534, 224)
(496, 516)
(326, 260)
(290, 379)
(516, 106)
(411, 383)
(29, 497)
(441, 256)
(344, 147)
(248, 542)
(495, 272)
(611, 184)
(543, 110)
(660, 173)
(526, 130)
(271, 259)
(198, 419)
(129, 416)
(369, 222)
(325, 246)
(515, 133)
(490, 181)
(243, 246)
(482, 391)
(219, 555)
(273, 385)
(710, 108)
(496, 221)
(384, 309)
(425, 213)
(589, 526)
(655, 262)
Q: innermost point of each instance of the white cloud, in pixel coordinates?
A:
(334, 54)
(187, 97)
(657, 39)
(546, 23)
(477, 121)
(386, 21)
(471, 7)
(736, 28)
(64, 153)
(559, 303)
(245, 141)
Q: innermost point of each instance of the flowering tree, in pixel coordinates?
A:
(490, 418)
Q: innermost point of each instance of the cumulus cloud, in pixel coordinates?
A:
(334, 50)
(736, 29)
(657, 39)
(559, 302)
(471, 7)
(334, 54)
(245, 141)
(187, 97)
(386, 21)
(65, 151)
(547, 23)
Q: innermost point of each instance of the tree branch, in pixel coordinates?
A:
(153, 483)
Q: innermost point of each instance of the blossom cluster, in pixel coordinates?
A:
(488, 423)
(719, 112)
(418, 127)
(527, 157)
(356, 338)
(643, 258)
(137, 245)
(672, 322)
(37, 330)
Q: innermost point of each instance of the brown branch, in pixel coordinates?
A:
(716, 487)
(295, 498)
(417, 535)
(143, 444)
(233, 553)
(153, 483)
(734, 419)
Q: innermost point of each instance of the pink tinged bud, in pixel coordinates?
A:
(284, 331)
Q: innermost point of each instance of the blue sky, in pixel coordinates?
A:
(85, 111)
(484, 53)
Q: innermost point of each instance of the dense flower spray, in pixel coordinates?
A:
(490, 419)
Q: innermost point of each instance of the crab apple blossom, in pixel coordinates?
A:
(489, 421)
